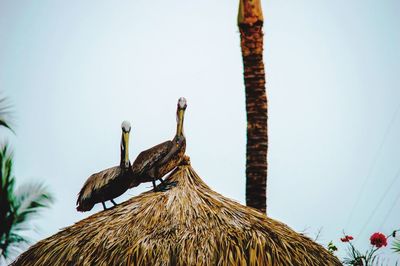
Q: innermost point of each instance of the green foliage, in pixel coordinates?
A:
(4, 112)
(332, 247)
(17, 207)
(355, 257)
(396, 246)
(378, 240)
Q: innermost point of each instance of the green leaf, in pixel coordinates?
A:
(4, 113)
(396, 246)
(29, 200)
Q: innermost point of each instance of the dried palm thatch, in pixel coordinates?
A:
(189, 224)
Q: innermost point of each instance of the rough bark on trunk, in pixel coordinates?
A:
(250, 22)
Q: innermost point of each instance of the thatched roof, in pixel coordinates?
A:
(189, 224)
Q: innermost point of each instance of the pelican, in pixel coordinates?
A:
(156, 162)
(110, 183)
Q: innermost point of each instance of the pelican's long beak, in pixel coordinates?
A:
(125, 149)
(180, 116)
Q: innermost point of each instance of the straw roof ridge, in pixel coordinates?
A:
(188, 224)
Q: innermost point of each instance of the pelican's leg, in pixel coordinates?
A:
(104, 205)
(155, 174)
(166, 185)
(113, 202)
(152, 175)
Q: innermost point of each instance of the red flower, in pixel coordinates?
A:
(378, 240)
(346, 238)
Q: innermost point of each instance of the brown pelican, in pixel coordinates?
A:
(156, 162)
(110, 183)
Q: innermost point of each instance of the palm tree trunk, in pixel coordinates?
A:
(250, 22)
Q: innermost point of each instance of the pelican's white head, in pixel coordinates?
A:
(182, 103)
(126, 126)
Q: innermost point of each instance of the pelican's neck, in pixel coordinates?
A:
(125, 150)
(179, 118)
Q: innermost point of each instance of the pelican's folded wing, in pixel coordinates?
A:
(94, 185)
(149, 158)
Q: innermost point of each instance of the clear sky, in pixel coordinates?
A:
(74, 70)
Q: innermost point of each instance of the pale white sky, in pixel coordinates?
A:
(74, 70)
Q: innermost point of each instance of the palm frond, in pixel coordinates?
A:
(15, 247)
(17, 207)
(30, 200)
(6, 164)
(396, 246)
(7, 202)
(5, 114)
(6, 184)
